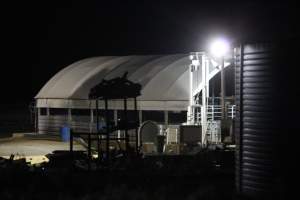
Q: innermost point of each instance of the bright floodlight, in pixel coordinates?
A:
(219, 47)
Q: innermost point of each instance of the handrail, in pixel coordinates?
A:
(214, 112)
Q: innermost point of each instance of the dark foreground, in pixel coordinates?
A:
(205, 176)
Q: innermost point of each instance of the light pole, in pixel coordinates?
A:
(223, 90)
(219, 48)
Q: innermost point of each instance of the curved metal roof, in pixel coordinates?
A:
(163, 78)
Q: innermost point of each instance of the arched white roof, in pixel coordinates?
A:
(165, 81)
(161, 77)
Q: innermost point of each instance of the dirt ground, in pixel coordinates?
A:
(32, 146)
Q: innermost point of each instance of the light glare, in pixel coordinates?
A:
(219, 47)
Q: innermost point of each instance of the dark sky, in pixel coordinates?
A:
(41, 37)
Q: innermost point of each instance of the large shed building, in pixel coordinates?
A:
(165, 81)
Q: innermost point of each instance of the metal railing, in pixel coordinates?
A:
(214, 112)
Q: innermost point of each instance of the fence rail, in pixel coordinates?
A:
(214, 112)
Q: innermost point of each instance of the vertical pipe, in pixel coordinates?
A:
(70, 118)
(223, 91)
(98, 130)
(107, 129)
(204, 104)
(89, 151)
(191, 84)
(125, 124)
(191, 101)
(116, 124)
(97, 115)
(115, 117)
(166, 118)
(89, 146)
(91, 120)
(207, 79)
(136, 128)
(141, 121)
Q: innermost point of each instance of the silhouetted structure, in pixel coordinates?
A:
(117, 88)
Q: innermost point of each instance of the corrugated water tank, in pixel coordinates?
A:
(267, 117)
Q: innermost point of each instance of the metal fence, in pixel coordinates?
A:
(214, 112)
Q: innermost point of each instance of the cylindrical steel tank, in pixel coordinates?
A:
(266, 119)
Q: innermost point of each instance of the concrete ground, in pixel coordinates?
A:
(33, 146)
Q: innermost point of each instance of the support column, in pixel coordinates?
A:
(223, 90)
(212, 93)
(116, 117)
(97, 115)
(91, 120)
(48, 111)
(116, 123)
(37, 120)
(98, 130)
(207, 75)
(69, 117)
(136, 129)
(190, 112)
(125, 123)
(107, 129)
(140, 117)
(204, 99)
(191, 84)
(166, 118)
(140, 123)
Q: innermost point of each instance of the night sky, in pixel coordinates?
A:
(41, 37)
